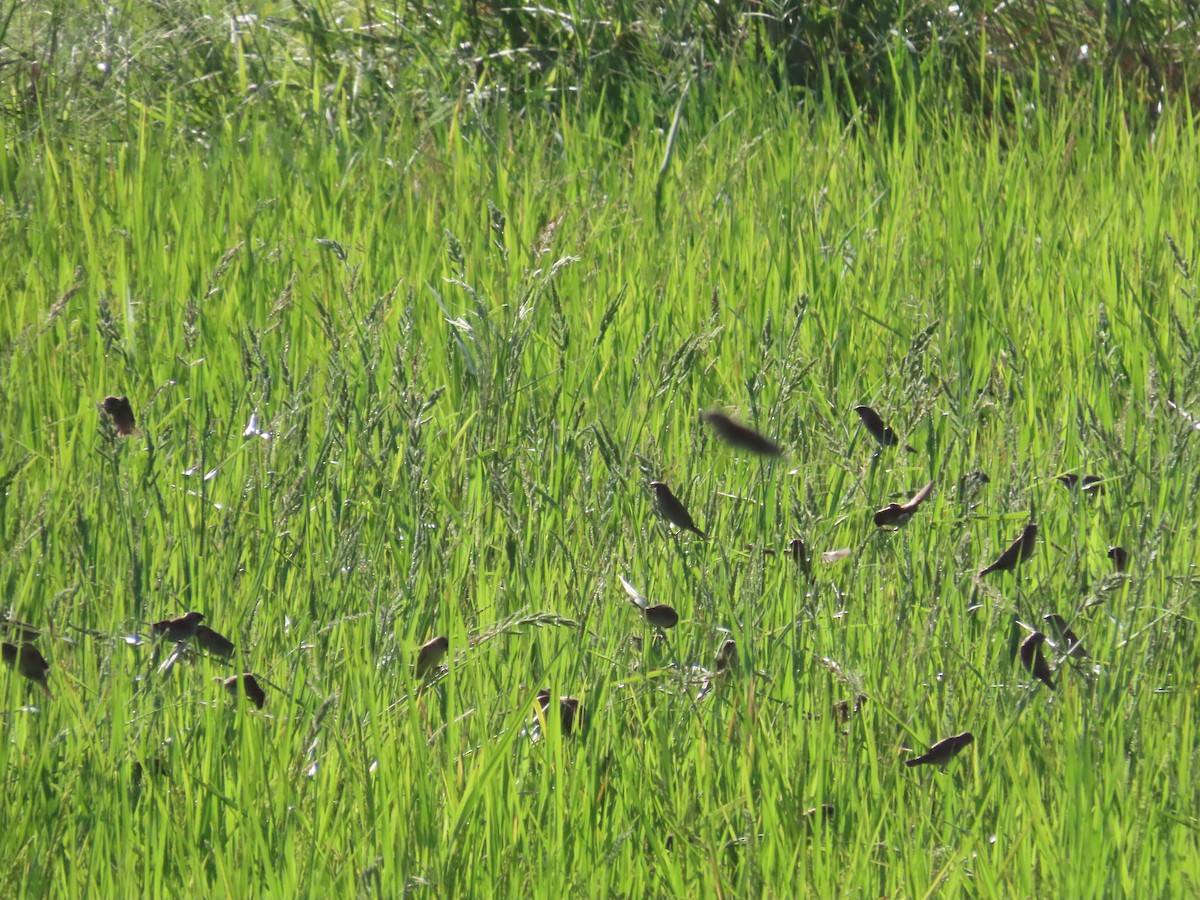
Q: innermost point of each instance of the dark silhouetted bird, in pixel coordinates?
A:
(431, 654)
(727, 656)
(896, 515)
(672, 510)
(27, 660)
(250, 687)
(799, 552)
(943, 751)
(1034, 659)
(661, 616)
(1071, 644)
(122, 415)
(213, 642)
(179, 629)
(568, 710)
(738, 435)
(878, 429)
(1093, 485)
(1018, 551)
(19, 631)
(1119, 557)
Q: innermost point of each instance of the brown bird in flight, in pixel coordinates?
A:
(672, 510)
(431, 654)
(1070, 641)
(250, 687)
(735, 434)
(213, 642)
(1119, 557)
(122, 415)
(27, 660)
(179, 629)
(1018, 551)
(943, 751)
(896, 515)
(1034, 659)
(878, 429)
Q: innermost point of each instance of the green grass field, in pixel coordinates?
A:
(414, 379)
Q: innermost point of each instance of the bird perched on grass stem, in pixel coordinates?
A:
(1034, 659)
(430, 655)
(943, 751)
(878, 429)
(673, 510)
(213, 642)
(250, 687)
(568, 710)
(1017, 552)
(735, 434)
(27, 660)
(179, 629)
(1071, 644)
(122, 415)
(1119, 557)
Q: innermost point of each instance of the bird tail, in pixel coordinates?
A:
(916, 761)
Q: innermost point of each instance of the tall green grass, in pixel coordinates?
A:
(473, 341)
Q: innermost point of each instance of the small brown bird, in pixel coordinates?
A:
(20, 631)
(250, 687)
(727, 656)
(430, 655)
(1034, 659)
(1093, 485)
(1119, 557)
(672, 510)
(661, 616)
(943, 751)
(27, 660)
(179, 629)
(213, 642)
(568, 710)
(799, 552)
(1070, 641)
(1018, 551)
(842, 709)
(878, 429)
(738, 435)
(896, 515)
(122, 415)
(972, 481)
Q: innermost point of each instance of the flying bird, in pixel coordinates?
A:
(896, 515)
(1119, 557)
(1070, 641)
(213, 642)
(735, 434)
(1034, 659)
(943, 751)
(1018, 551)
(27, 660)
(878, 429)
(122, 415)
(672, 510)
(250, 687)
(430, 655)
(179, 629)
